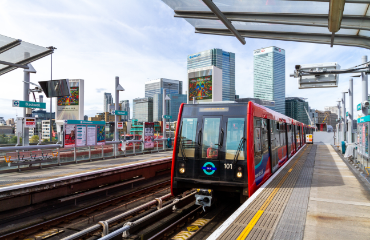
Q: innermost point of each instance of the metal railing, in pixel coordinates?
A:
(17, 156)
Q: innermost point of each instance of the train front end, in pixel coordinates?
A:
(210, 150)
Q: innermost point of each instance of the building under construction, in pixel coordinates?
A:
(297, 108)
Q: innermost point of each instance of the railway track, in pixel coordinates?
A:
(37, 228)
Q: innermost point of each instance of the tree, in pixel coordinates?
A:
(34, 139)
(45, 140)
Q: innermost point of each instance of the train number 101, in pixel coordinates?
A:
(228, 166)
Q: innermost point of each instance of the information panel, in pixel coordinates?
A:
(81, 135)
(91, 135)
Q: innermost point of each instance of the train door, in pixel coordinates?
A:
(235, 150)
(274, 145)
(261, 149)
(289, 139)
(295, 138)
(282, 139)
(210, 149)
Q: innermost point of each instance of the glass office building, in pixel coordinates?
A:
(172, 106)
(221, 59)
(107, 101)
(297, 108)
(125, 106)
(156, 87)
(269, 76)
(143, 109)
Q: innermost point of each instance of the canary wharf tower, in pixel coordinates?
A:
(269, 76)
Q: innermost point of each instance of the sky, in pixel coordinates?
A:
(140, 41)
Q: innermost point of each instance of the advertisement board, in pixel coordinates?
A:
(91, 135)
(200, 88)
(148, 135)
(100, 130)
(69, 135)
(72, 107)
(29, 122)
(308, 138)
(119, 125)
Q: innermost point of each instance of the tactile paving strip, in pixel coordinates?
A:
(292, 222)
(266, 224)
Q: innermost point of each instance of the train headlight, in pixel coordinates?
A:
(239, 174)
(182, 170)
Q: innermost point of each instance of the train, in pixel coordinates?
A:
(231, 147)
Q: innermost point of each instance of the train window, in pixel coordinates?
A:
(187, 139)
(257, 141)
(211, 133)
(235, 138)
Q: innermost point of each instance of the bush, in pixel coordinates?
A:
(34, 139)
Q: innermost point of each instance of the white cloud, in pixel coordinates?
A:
(137, 41)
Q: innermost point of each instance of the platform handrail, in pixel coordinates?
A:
(20, 148)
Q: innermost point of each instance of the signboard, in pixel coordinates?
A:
(346, 114)
(71, 107)
(321, 80)
(91, 135)
(167, 117)
(27, 104)
(29, 122)
(359, 107)
(69, 135)
(119, 125)
(308, 138)
(119, 112)
(167, 126)
(148, 135)
(81, 135)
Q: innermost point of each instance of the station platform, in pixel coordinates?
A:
(28, 187)
(317, 195)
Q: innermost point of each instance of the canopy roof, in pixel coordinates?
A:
(339, 22)
(14, 53)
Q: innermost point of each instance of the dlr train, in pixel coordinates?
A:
(231, 147)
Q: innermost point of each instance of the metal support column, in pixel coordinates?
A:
(164, 113)
(116, 137)
(344, 116)
(350, 110)
(26, 87)
(364, 88)
(340, 128)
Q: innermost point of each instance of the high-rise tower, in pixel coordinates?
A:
(222, 60)
(107, 101)
(269, 76)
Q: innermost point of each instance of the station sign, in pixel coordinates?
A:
(346, 114)
(29, 122)
(308, 138)
(167, 117)
(119, 112)
(119, 125)
(27, 104)
(359, 107)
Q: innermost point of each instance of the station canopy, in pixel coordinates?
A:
(335, 22)
(14, 53)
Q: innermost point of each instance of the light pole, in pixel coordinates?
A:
(339, 122)
(350, 110)
(51, 99)
(344, 115)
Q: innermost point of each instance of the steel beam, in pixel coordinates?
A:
(14, 64)
(344, 40)
(336, 8)
(312, 20)
(224, 20)
(26, 61)
(10, 45)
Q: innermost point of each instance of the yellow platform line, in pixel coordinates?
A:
(259, 213)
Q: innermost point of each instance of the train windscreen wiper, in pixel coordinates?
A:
(240, 147)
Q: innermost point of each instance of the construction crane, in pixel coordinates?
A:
(312, 124)
(327, 114)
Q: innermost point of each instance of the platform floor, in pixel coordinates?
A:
(316, 196)
(35, 175)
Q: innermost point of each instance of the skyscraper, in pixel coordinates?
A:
(107, 101)
(125, 106)
(156, 87)
(296, 108)
(143, 109)
(269, 76)
(172, 106)
(222, 60)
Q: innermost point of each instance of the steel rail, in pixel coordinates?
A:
(77, 213)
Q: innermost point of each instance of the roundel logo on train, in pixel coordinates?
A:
(209, 168)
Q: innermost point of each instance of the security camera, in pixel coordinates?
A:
(365, 104)
(297, 67)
